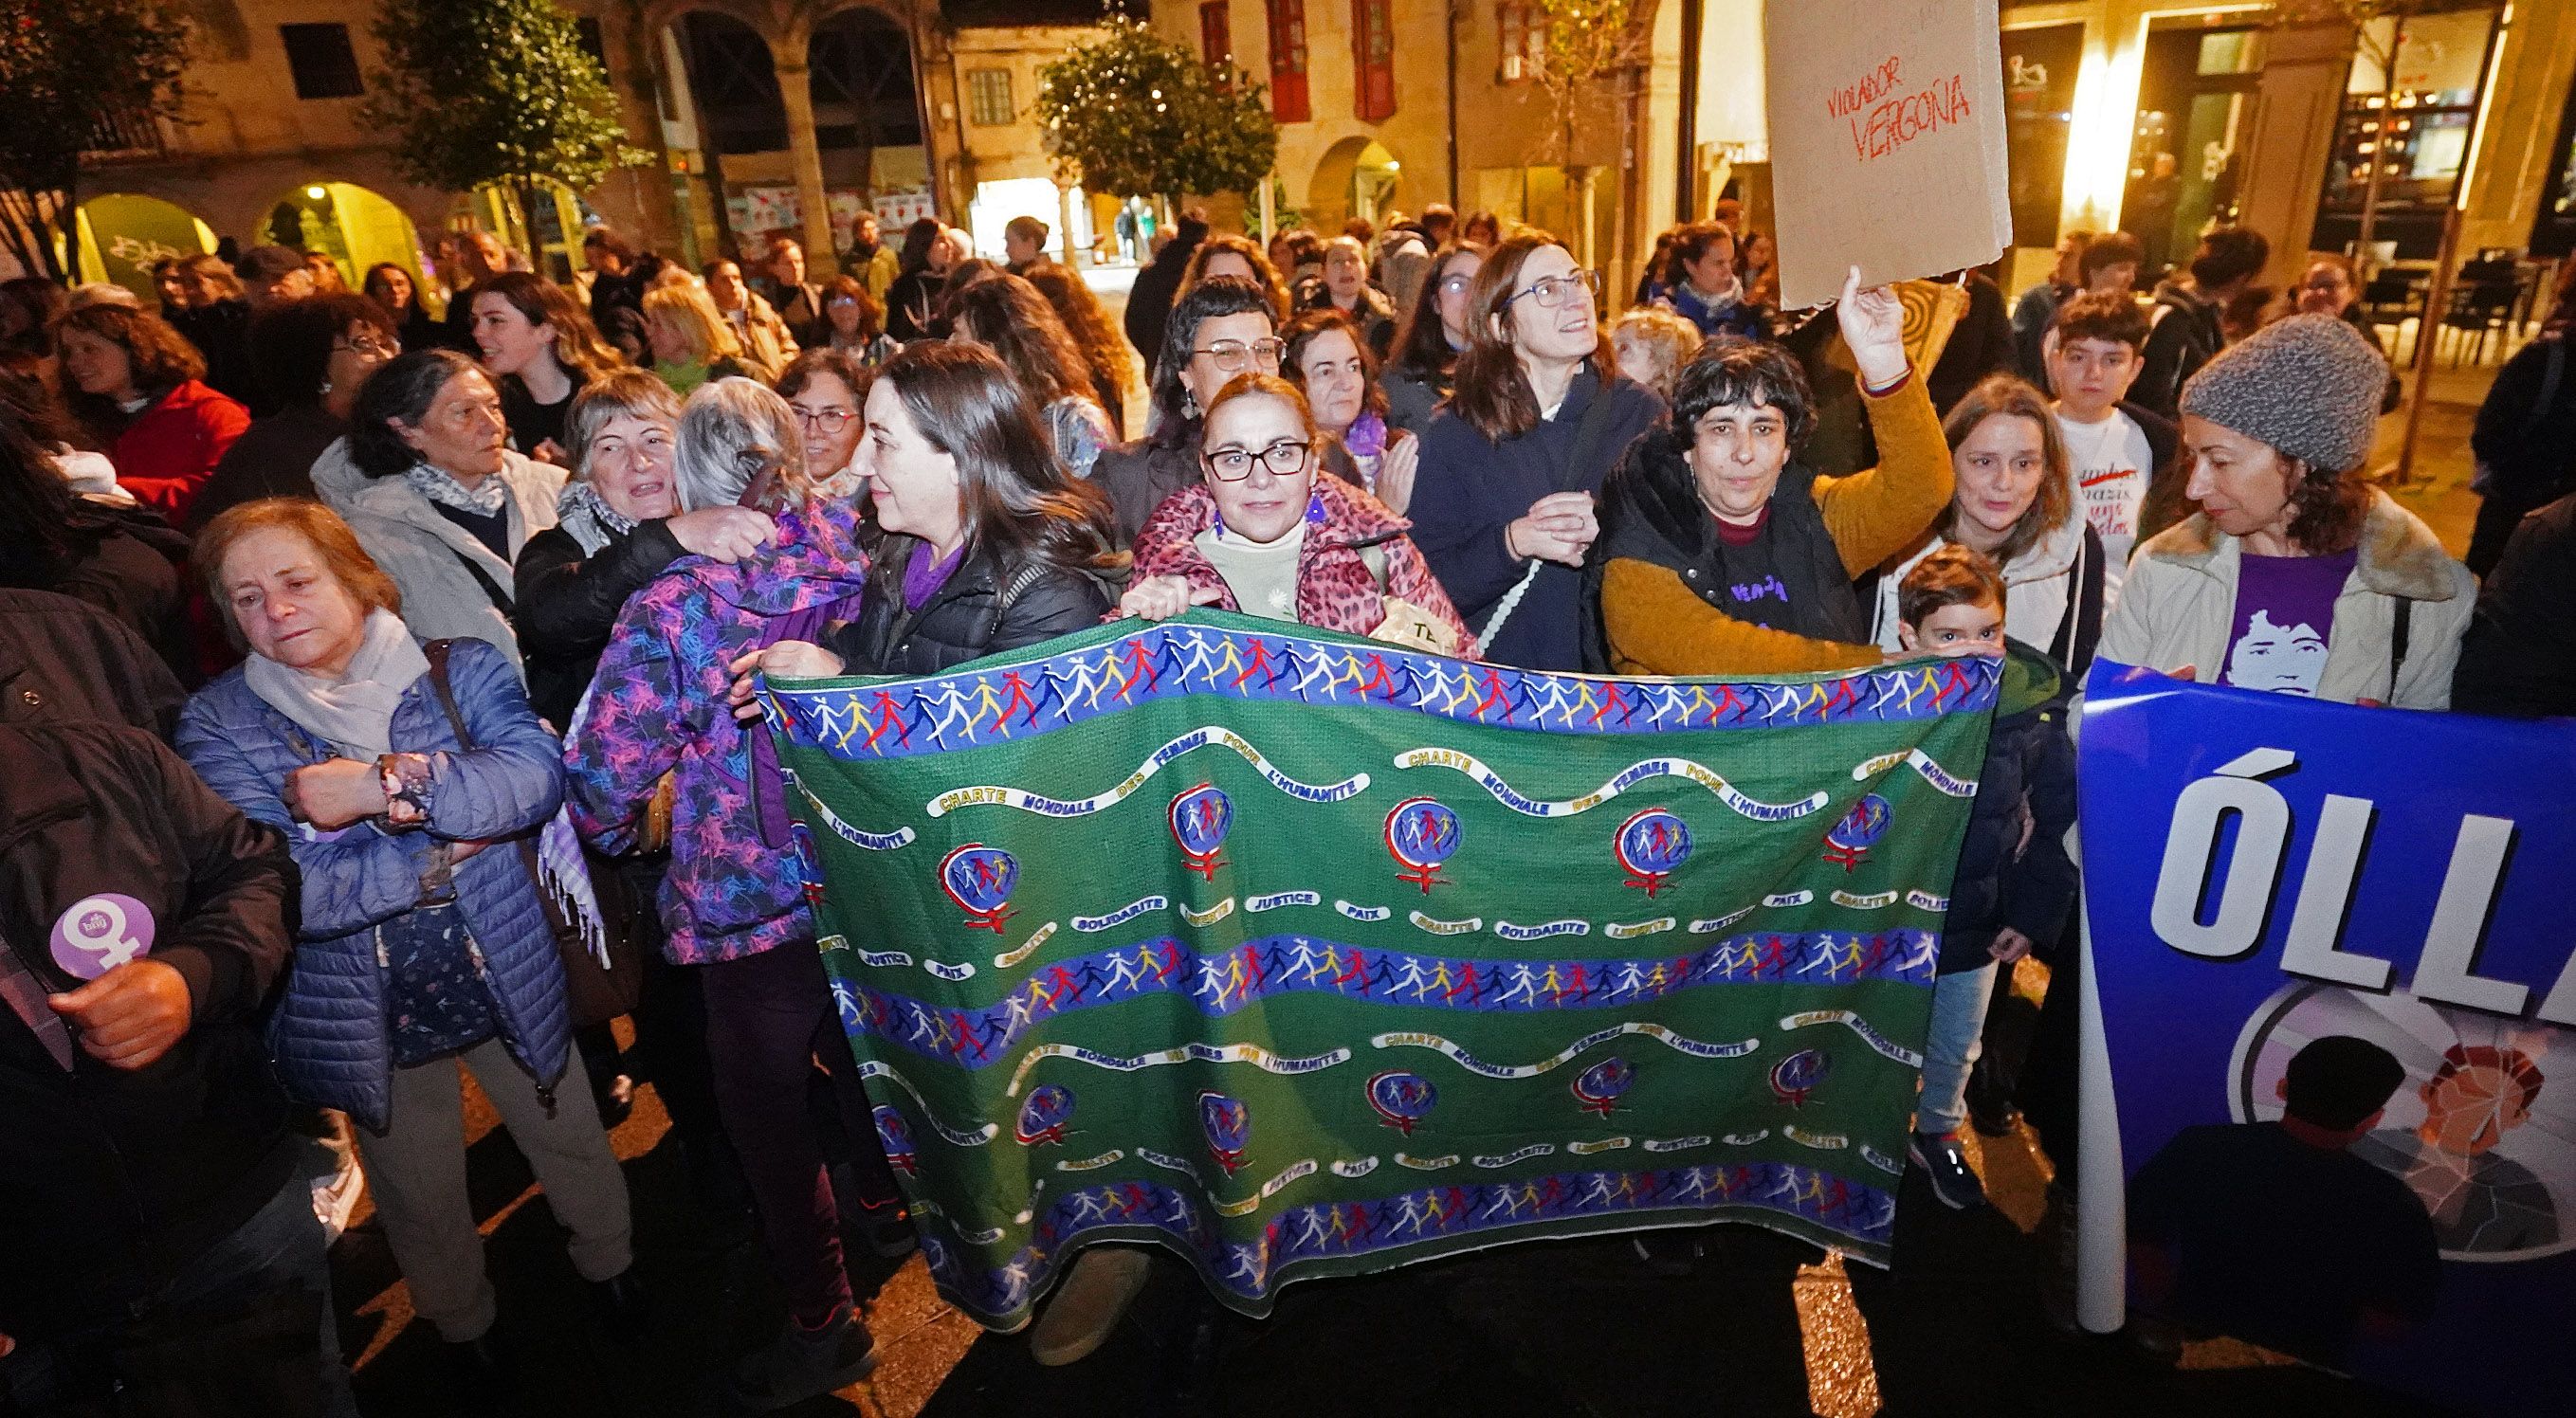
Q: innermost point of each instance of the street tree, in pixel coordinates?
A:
(1130, 112)
(77, 76)
(496, 91)
(1583, 43)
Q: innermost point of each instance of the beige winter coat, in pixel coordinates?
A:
(2180, 604)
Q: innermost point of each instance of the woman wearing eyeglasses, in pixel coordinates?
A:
(822, 388)
(1261, 533)
(1222, 328)
(1503, 499)
(1418, 371)
(313, 354)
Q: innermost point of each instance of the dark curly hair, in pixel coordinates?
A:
(1265, 275)
(290, 343)
(1734, 370)
(1211, 300)
(161, 358)
(2327, 507)
(1007, 315)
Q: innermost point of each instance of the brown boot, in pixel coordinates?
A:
(1087, 1307)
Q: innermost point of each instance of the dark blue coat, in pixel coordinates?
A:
(330, 1033)
(2029, 778)
(1469, 488)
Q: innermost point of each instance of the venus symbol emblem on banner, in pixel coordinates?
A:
(1200, 817)
(1599, 1087)
(1044, 1115)
(100, 933)
(980, 880)
(1798, 1075)
(895, 1136)
(1421, 834)
(1652, 845)
(1860, 829)
(1228, 1125)
(1402, 1099)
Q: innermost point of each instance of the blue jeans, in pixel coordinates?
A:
(1951, 1046)
(228, 1334)
(278, 1248)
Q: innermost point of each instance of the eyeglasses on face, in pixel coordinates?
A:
(1234, 356)
(1285, 459)
(828, 420)
(368, 346)
(1557, 292)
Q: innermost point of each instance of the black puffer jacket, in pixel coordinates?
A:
(568, 601)
(2028, 781)
(982, 609)
(110, 1179)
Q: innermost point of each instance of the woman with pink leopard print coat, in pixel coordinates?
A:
(1262, 533)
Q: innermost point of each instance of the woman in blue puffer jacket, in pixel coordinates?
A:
(424, 936)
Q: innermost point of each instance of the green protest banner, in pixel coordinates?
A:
(1304, 955)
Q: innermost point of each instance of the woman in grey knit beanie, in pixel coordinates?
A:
(2297, 575)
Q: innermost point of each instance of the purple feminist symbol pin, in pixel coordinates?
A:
(100, 933)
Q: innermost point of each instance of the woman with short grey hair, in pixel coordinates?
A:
(732, 433)
(620, 524)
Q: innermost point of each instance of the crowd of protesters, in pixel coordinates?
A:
(383, 657)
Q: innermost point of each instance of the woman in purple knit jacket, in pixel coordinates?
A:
(658, 707)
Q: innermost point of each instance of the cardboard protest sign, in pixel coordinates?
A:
(1887, 140)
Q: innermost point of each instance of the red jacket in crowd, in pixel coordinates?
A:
(170, 449)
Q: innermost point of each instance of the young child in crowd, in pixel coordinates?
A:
(2015, 881)
(2114, 448)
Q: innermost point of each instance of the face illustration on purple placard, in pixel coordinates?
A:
(99, 933)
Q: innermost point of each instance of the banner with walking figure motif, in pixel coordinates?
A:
(1305, 955)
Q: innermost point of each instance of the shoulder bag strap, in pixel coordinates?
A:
(2397, 637)
(500, 598)
(563, 926)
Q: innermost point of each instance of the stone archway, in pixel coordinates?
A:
(357, 227)
(122, 234)
(1356, 177)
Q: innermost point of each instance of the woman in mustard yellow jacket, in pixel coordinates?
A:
(1721, 554)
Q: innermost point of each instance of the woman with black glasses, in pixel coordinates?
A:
(1262, 534)
(1503, 502)
(1222, 328)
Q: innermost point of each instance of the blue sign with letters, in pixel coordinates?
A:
(2335, 951)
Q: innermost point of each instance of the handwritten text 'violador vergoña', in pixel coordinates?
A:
(1881, 124)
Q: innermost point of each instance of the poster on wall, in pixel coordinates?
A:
(2331, 950)
(758, 211)
(1887, 141)
(897, 210)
